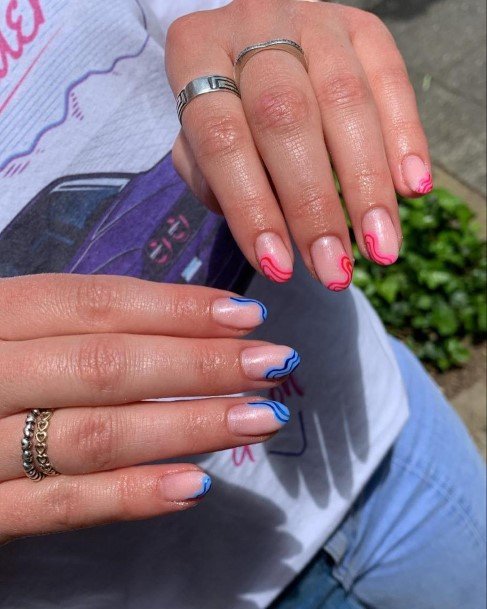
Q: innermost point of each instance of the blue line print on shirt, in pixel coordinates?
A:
(67, 95)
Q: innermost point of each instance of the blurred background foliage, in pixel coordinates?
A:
(434, 297)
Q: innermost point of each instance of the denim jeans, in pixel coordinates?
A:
(416, 536)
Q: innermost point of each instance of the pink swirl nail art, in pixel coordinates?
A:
(416, 174)
(372, 245)
(425, 185)
(347, 267)
(272, 271)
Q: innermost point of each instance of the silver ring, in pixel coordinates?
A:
(28, 462)
(202, 85)
(279, 44)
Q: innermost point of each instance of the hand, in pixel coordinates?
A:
(92, 348)
(267, 159)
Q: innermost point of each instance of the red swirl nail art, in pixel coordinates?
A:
(425, 185)
(371, 243)
(347, 266)
(272, 271)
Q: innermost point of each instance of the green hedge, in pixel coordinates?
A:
(434, 297)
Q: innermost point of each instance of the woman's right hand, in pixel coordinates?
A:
(91, 349)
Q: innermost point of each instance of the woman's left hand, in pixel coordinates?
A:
(266, 159)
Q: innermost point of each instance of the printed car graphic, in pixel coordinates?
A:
(145, 225)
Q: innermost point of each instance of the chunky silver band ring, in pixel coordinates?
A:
(279, 44)
(28, 462)
(202, 85)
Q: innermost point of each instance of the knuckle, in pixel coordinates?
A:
(368, 20)
(223, 136)
(281, 108)
(402, 127)
(370, 180)
(96, 300)
(208, 363)
(97, 436)
(63, 502)
(345, 90)
(392, 81)
(101, 362)
(311, 204)
(180, 31)
(127, 489)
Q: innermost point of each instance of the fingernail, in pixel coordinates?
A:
(332, 264)
(237, 312)
(257, 418)
(417, 175)
(380, 236)
(273, 257)
(269, 362)
(185, 486)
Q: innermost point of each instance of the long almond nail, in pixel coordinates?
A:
(239, 313)
(273, 257)
(257, 418)
(269, 362)
(185, 486)
(380, 236)
(417, 175)
(332, 264)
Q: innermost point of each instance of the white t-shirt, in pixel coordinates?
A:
(87, 120)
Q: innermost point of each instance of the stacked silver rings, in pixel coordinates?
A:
(216, 83)
(35, 461)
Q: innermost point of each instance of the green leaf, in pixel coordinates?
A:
(389, 287)
(434, 297)
(444, 319)
(434, 279)
(458, 352)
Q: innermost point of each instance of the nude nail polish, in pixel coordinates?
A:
(269, 362)
(380, 236)
(257, 418)
(240, 313)
(416, 175)
(332, 263)
(274, 258)
(185, 486)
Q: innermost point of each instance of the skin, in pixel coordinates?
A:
(354, 110)
(94, 348)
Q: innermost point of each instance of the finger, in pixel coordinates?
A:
(106, 369)
(187, 167)
(220, 139)
(404, 137)
(286, 124)
(86, 440)
(71, 502)
(354, 139)
(53, 305)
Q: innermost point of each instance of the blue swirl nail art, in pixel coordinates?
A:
(291, 363)
(280, 411)
(205, 487)
(263, 310)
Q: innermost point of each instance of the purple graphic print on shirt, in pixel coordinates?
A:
(144, 225)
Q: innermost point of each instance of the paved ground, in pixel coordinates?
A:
(443, 42)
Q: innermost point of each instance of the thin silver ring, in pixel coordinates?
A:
(202, 85)
(278, 44)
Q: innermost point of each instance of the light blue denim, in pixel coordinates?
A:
(416, 536)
